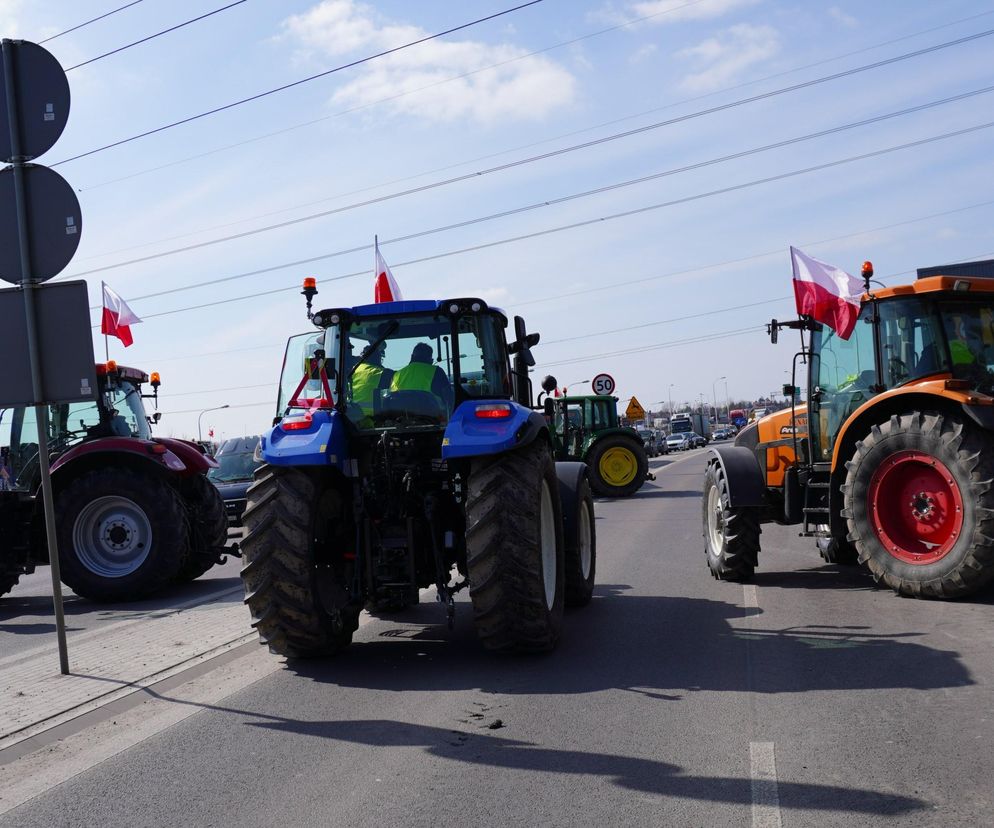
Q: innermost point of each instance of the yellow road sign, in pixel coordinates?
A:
(635, 411)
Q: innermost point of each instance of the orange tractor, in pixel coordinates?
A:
(891, 462)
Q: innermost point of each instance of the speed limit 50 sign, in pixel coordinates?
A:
(603, 384)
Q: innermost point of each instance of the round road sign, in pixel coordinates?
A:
(42, 92)
(54, 223)
(603, 384)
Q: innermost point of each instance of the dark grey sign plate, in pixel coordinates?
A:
(42, 92)
(54, 223)
(65, 340)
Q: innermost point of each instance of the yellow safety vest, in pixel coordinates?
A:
(417, 376)
(365, 382)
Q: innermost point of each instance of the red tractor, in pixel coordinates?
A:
(134, 512)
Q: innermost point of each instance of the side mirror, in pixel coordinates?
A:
(157, 416)
(550, 407)
(790, 390)
(773, 329)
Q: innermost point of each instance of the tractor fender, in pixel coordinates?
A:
(570, 476)
(468, 435)
(94, 453)
(322, 442)
(746, 484)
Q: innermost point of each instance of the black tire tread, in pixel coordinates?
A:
(165, 511)
(580, 590)
(738, 559)
(278, 571)
(503, 555)
(600, 486)
(970, 448)
(208, 527)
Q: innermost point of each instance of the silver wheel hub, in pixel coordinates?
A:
(112, 536)
(586, 541)
(716, 520)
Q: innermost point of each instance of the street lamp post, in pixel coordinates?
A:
(576, 382)
(669, 396)
(714, 394)
(728, 405)
(200, 431)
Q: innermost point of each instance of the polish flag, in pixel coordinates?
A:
(826, 293)
(118, 317)
(385, 288)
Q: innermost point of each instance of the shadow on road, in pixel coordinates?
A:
(638, 774)
(661, 647)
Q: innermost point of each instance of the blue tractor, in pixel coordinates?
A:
(406, 454)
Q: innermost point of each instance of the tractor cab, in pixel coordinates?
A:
(938, 330)
(118, 411)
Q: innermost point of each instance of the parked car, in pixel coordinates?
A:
(721, 434)
(661, 446)
(696, 440)
(649, 439)
(237, 464)
(678, 442)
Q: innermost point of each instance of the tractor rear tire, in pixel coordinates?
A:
(208, 527)
(617, 465)
(731, 534)
(122, 535)
(919, 501)
(515, 551)
(580, 537)
(9, 576)
(300, 609)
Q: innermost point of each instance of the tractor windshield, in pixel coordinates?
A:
(412, 370)
(120, 413)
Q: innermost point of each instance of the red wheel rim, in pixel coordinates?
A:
(915, 507)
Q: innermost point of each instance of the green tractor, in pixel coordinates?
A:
(586, 429)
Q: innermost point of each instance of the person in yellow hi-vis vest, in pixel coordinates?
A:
(369, 377)
(422, 375)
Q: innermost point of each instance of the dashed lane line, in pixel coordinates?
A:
(765, 793)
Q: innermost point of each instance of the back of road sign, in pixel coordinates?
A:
(42, 101)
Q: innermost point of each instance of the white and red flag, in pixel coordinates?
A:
(118, 317)
(826, 293)
(385, 289)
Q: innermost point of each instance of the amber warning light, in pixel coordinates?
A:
(156, 380)
(309, 292)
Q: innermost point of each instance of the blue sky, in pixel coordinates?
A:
(607, 287)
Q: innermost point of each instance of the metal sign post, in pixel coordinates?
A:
(40, 133)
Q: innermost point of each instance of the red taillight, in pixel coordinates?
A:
(157, 448)
(297, 423)
(499, 411)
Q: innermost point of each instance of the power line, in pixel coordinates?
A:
(170, 395)
(157, 34)
(512, 164)
(286, 86)
(88, 22)
(551, 230)
(502, 152)
(271, 403)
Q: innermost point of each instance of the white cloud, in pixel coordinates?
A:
(723, 58)
(644, 53)
(525, 88)
(842, 17)
(675, 11)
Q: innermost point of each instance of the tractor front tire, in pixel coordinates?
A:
(299, 608)
(515, 550)
(919, 501)
(208, 527)
(122, 535)
(618, 466)
(731, 535)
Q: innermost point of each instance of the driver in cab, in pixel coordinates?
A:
(421, 374)
(369, 377)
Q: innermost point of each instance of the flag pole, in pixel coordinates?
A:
(106, 342)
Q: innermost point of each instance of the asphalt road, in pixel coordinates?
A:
(809, 697)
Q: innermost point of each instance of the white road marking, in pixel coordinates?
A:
(749, 598)
(765, 795)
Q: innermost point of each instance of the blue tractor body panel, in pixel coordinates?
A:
(470, 436)
(322, 443)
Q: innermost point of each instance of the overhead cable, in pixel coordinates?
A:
(157, 34)
(512, 164)
(295, 83)
(487, 157)
(550, 230)
(93, 20)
